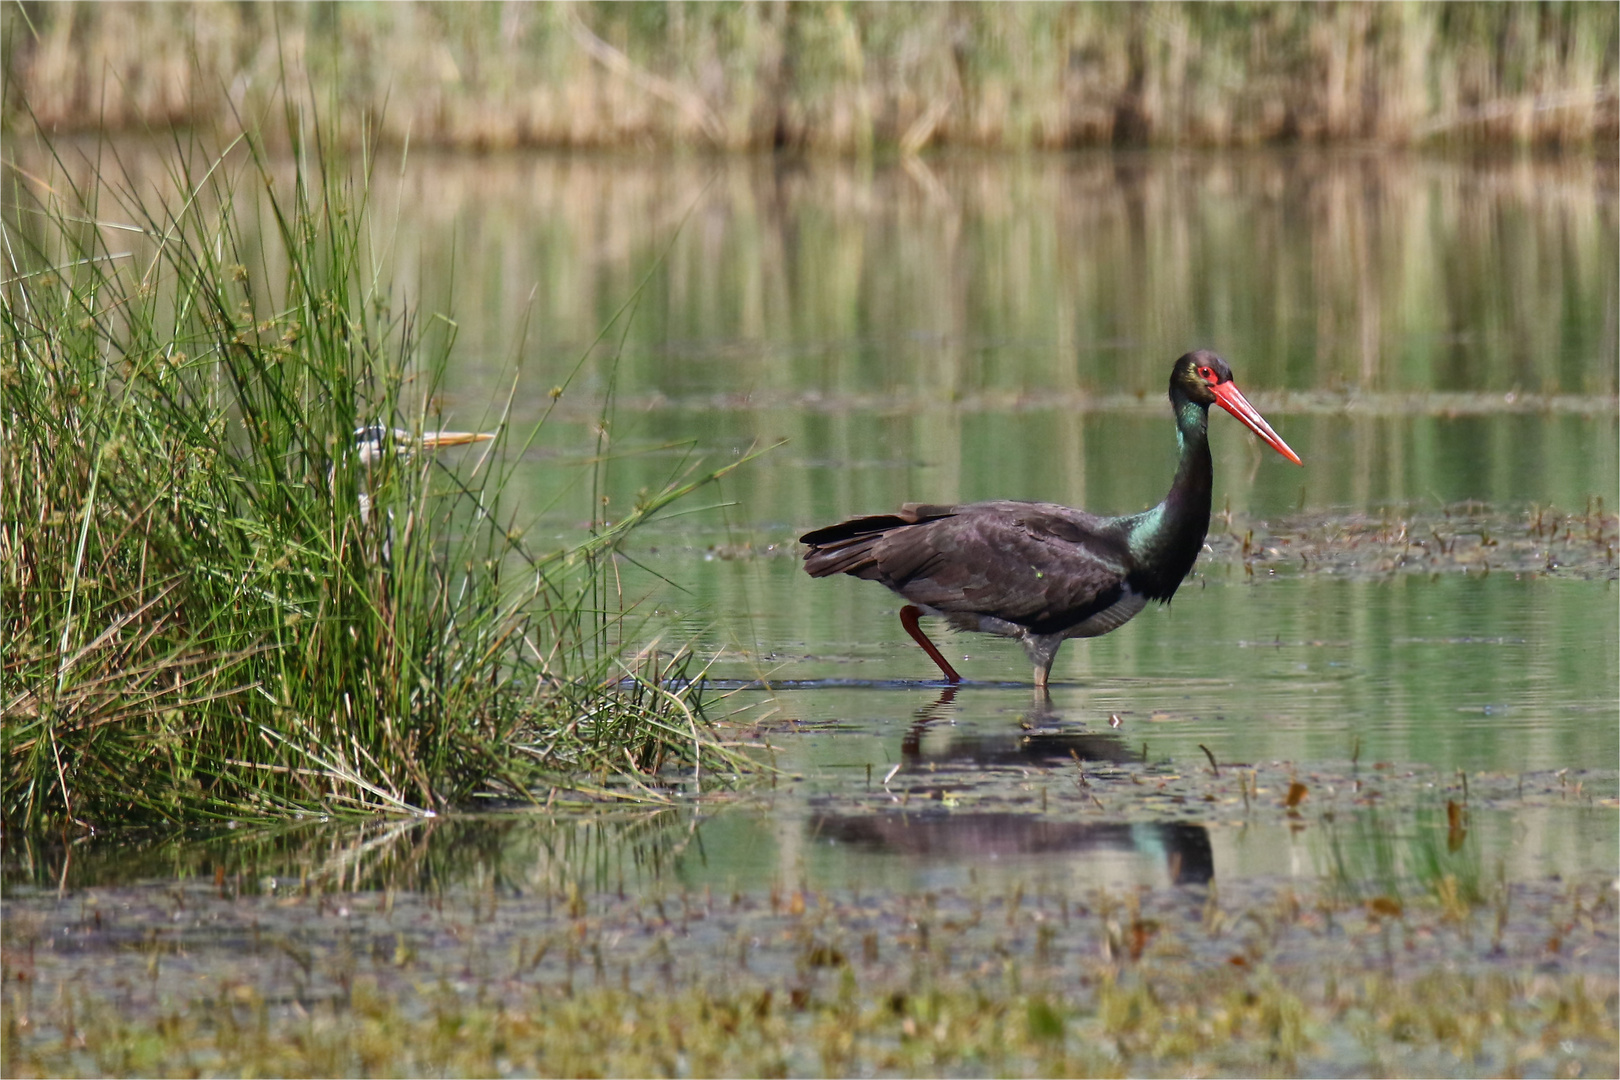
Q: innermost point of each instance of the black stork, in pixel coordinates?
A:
(1040, 572)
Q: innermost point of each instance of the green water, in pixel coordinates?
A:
(1425, 332)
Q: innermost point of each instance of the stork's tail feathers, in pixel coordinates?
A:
(848, 547)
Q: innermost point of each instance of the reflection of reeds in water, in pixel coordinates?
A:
(1352, 272)
(529, 853)
(1355, 273)
(1383, 861)
(807, 299)
(835, 77)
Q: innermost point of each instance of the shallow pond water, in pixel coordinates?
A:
(1393, 668)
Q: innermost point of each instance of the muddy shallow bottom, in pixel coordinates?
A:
(1348, 808)
(1032, 903)
(1262, 977)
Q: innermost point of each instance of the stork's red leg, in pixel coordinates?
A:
(908, 619)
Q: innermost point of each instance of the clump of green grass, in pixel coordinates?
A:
(200, 621)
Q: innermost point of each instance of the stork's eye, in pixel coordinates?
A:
(1208, 375)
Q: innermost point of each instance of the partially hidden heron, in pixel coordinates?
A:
(372, 442)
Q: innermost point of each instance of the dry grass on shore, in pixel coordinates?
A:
(833, 77)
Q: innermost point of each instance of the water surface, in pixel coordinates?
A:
(1428, 333)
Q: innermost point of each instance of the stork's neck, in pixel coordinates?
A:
(1165, 541)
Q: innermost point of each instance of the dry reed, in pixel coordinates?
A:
(833, 77)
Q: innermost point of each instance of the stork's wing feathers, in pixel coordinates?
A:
(1039, 565)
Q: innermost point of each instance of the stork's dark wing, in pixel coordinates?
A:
(1039, 565)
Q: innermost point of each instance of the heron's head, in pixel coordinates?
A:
(373, 440)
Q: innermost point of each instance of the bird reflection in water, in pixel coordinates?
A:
(1181, 849)
(1037, 741)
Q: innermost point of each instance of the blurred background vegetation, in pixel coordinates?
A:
(836, 77)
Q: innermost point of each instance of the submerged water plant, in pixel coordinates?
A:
(201, 618)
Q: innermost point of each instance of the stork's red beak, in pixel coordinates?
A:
(1230, 398)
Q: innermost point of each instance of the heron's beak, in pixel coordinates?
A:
(438, 440)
